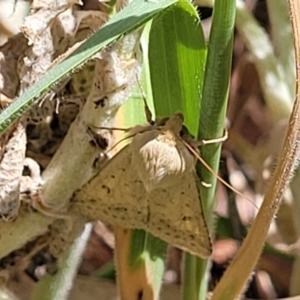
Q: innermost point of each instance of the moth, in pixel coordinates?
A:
(151, 184)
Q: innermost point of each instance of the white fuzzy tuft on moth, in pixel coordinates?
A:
(158, 155)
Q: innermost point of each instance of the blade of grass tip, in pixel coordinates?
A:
(132, 16)
(213, 107)
(139, 255)
(177, 56)
(234, 281)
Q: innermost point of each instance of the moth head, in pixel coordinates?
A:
(175, 123)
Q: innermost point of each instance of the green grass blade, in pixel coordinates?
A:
(132, 16)
(213, 109)
(177, 56)
(149, 252)
(215, 92)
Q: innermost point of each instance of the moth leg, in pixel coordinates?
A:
(101, 140)
(114, 128)
(212, 141)
(30, 190)
(148, 112)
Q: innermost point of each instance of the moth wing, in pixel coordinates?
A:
(176, 216)
(121, 198)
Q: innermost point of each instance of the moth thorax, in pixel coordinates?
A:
(159, 160)
(175, 123)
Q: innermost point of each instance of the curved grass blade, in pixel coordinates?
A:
(213, 111)
(233, 281)
(215, 91)
(132, 16)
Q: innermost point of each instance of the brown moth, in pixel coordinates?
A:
(151, 184)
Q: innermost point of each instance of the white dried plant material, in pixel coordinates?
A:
(82, 81)
(38, 28)
(59, 3)
(88, 22)
(9, 78)
(51, 31)
(11, 167)
(38, 22)
(31, 184)
(152, 185)
(48, 122)
(56, 32)
(67, 111)
(114, 77)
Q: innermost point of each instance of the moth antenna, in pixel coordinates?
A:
(208, 167)
(133, 131)
(120, 141)
(148, 112)
(114, 128)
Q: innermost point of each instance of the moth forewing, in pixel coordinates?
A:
(115, 195)
(176, 216)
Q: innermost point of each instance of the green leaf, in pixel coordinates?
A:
(108, 271)
(213, 110)
(136, 14)
(215, 92)
(177, 53)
